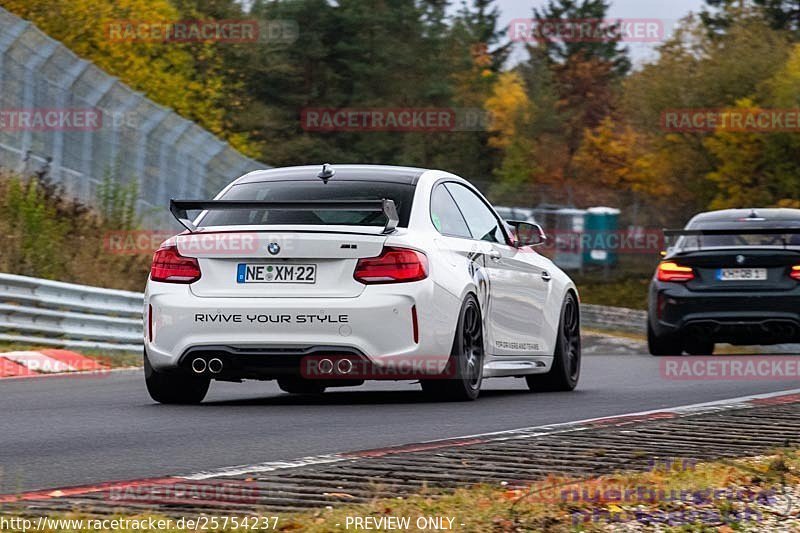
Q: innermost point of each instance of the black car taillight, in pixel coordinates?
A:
(671, 271)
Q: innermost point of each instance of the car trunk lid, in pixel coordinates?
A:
(263, 263)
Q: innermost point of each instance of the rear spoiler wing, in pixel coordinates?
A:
(744, 231)
(180, 208)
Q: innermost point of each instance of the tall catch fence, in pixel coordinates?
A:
(62, 116)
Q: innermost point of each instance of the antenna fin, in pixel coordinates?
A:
(326, 173)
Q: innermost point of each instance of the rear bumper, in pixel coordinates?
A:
(268, 337)
(748, 318)
(270, 362)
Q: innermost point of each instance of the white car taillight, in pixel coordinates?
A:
(169, 266)
(394, 265)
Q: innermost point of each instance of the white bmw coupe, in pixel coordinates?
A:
(322, 276)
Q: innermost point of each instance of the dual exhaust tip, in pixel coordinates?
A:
(342, 366)
(213, 365)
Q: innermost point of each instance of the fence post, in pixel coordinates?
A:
(206, 162)
(29, 95)
(128, 104)
(194, 171)
(67, 82)
(184, 145)
(168, 145)
(7, 40)
(152, 122)
(88, 139)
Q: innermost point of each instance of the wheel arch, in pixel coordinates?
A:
(552, 336)
(574, 292)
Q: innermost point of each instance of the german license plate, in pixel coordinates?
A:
(742, 274)
(275, 273)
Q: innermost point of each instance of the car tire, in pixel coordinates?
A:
(464, 371)
(661, 345)
(566, 369)
(300, 386)
(174, 388)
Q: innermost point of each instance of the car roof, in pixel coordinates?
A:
(385, 173)
(763, 215)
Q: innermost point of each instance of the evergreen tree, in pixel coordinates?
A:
(561, 51)
(779, 14)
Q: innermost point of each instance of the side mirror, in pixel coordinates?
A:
(528, 234)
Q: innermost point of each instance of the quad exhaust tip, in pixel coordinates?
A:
(198, 365)
(344, 366)
(325, 366)
(215, 365)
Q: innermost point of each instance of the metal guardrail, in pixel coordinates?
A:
(39, 311)
(54, 313)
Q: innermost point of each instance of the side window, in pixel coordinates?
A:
(481, 221)
(446, 216)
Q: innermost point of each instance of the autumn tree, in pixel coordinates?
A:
(511, 114)
(758, 167)
(698, 71)
(618, 157)
(573, 84)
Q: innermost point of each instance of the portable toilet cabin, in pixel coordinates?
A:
(601, 225)
(569, 228)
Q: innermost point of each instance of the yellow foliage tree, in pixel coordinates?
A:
(784, 87)
(754, 168)
(616, 156)
(508, 108)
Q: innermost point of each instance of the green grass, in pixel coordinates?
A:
(623, 285)
(614, 333)
(625, 290)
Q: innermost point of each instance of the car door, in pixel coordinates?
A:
(518, 286)
(458, 249)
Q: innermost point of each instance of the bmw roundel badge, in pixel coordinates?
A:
(273, 248)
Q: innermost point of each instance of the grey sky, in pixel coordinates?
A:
(667, 10)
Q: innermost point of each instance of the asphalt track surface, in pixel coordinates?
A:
(67, 431)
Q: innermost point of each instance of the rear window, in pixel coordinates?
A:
(302, 191)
